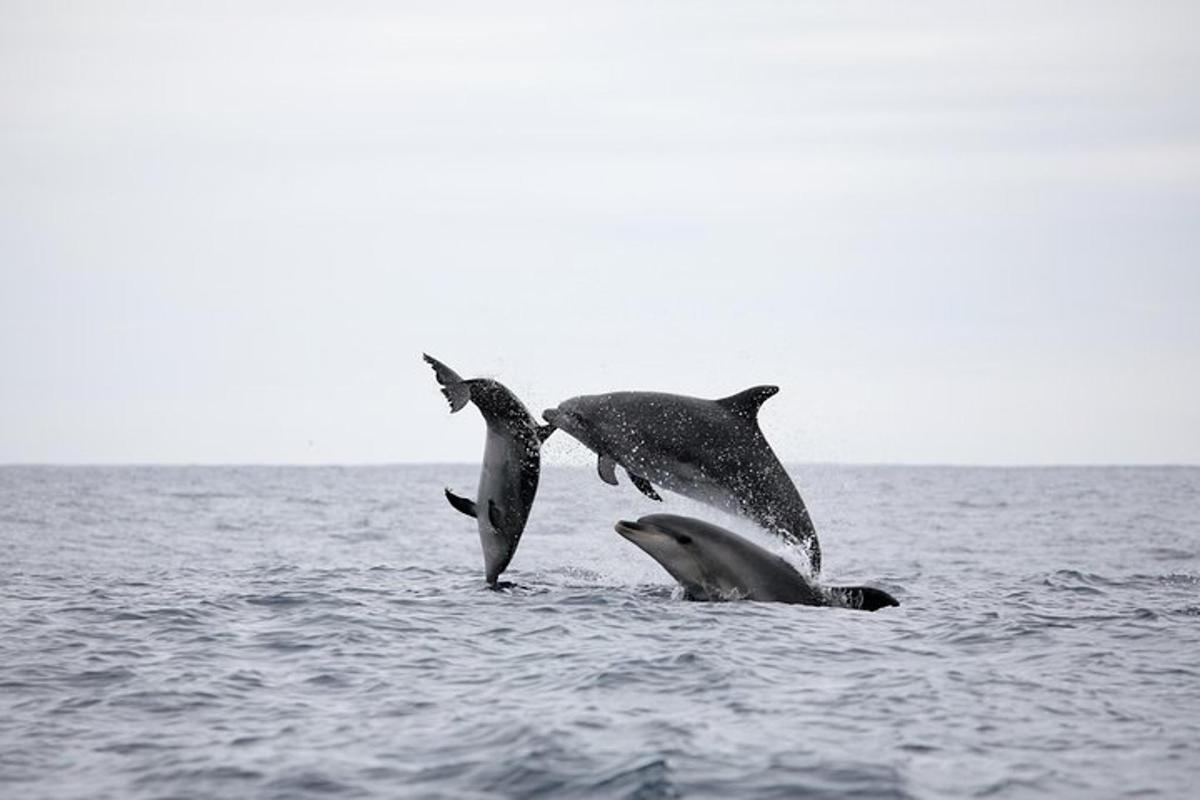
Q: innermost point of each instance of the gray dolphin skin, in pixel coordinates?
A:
(711, 451)
(712, 563)
(511, 463)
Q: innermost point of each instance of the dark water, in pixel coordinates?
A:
(294, 632)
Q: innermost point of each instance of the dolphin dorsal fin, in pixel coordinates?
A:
(746, 404)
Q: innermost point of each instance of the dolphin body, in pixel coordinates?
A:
(511, 464)
(712, 563)
(711, 451)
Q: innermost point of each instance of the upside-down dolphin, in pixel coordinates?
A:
(511, 462)
(709, 450)
(712, 563)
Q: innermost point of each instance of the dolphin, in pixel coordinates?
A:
(709, 450)
(511, 464)
(712, 563)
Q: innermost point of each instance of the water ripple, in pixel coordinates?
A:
(342, 644)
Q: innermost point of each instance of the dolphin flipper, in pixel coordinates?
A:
(607, 469)
(456, 390)
(461, 503)
(643, 486)
(494, 517)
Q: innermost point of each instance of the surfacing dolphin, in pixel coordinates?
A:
(712, 563)
(709, 450)
(511, 463)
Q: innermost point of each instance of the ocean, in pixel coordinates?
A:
(325, 632)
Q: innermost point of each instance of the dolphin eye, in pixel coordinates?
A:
(683, 538)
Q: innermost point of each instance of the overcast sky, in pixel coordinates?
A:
(951, 232)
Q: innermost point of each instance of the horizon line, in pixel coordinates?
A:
(361, 464)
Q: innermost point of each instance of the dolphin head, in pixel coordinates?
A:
(579, 418)
(712, 563)
(496, 556)
(685, 549)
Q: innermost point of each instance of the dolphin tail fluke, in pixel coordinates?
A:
(461, 503)
(456, 390)
(457, 396)
(864, 598)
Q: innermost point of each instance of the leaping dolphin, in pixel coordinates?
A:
(709, 450)
(712, 563)
(511, 462)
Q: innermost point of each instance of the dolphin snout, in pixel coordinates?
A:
(629, 529)
(565, 419)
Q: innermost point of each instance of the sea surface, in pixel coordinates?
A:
(291, 632)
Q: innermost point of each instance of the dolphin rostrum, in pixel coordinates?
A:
(712, 563)
(709, 450)
(511, 462)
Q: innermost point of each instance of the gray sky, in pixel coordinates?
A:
(951, 232)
